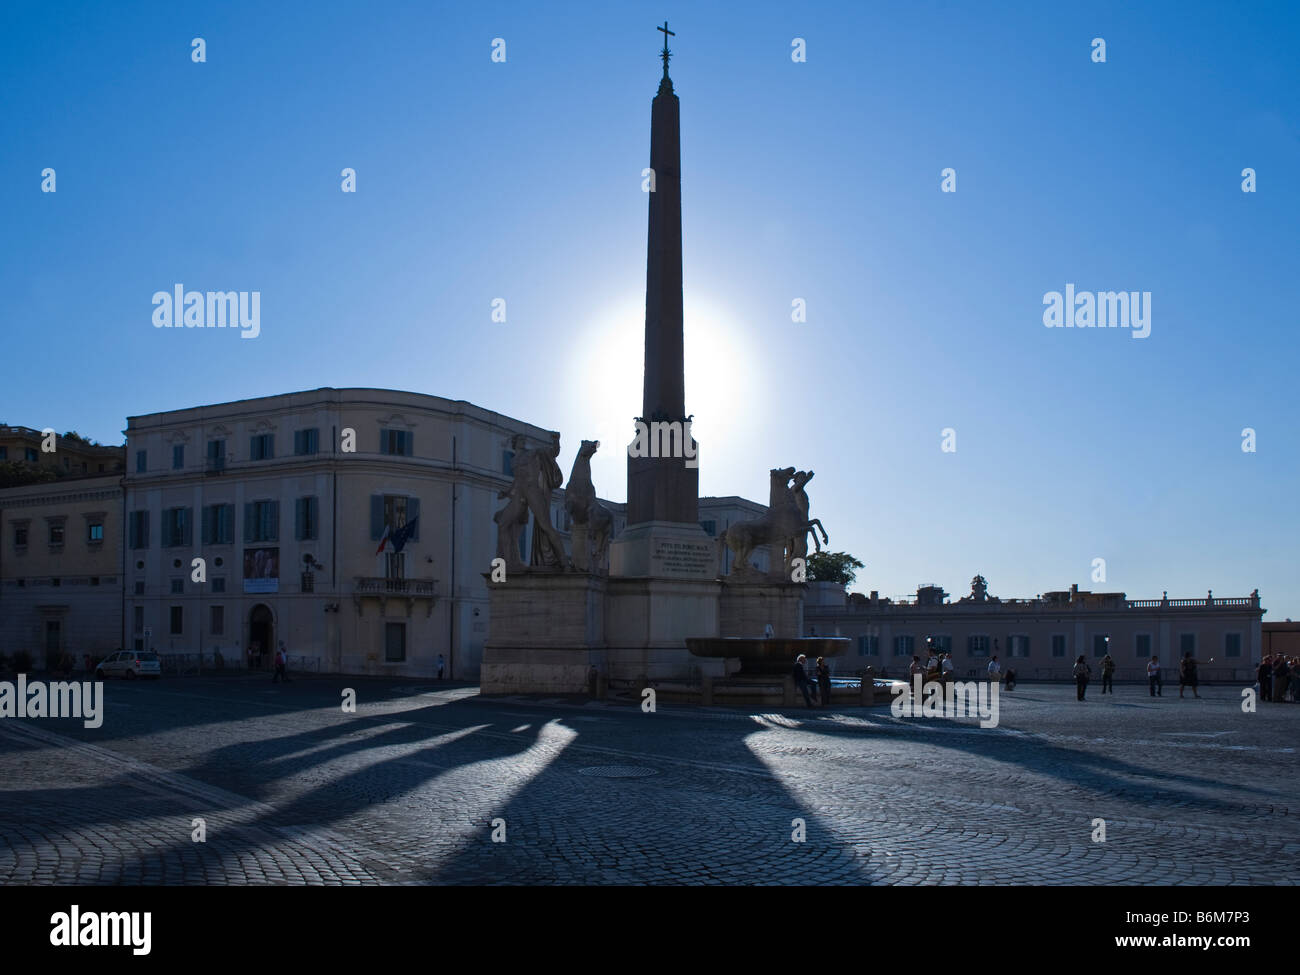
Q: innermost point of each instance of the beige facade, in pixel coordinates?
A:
(1042, 637)
(286, 499)
(61, 568)
(287, 520)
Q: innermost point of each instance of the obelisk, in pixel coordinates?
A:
(663, 537)
(664, 488)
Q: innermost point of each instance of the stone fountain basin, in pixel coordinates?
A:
(768, 656)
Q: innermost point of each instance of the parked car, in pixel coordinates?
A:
(130, 664)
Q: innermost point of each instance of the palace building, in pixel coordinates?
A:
(1041, 637)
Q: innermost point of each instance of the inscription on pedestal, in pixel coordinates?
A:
(683, 558)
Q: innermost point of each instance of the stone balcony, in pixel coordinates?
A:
(383, 590)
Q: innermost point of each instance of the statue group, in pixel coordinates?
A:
(786, 524)
(536, 475)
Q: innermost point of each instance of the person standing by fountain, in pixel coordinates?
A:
(801, 680)
(824, 681)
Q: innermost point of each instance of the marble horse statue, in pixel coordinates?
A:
(593, 525)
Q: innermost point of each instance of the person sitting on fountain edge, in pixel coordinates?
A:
(801, 680)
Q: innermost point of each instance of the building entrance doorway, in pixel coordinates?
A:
(261, 637)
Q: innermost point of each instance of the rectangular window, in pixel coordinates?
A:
(306, 442)
(942, 642)
(1232, 644)
(139, 588)
(1142, 646)
(903, 646)
(141, 461)
(868, 646)
(217, 623)
(397, 442)
(177, 527)
(177, 620)
(178, 586)
(977, 646)
(710, 528)
(508, 463)
(178, 456)
(138, 529)
(218, 524)
(94, 532)
(20, 536)
(305, 519)
(308, 582)
(216, 455)
(30, 455)
(1100, 644)
(261, 447)
(262, 521)
(393, 511)
(218, 583)
(1017, 645)
(137, 618)
(4, 452)
(394, 642)
(56, 533)
(1186, 644)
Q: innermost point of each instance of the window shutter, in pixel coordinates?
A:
(408, 440)
(205, 525)
(273, 521)
(299, 516)
(144, 529)
(413, 512)
(227, 523)
(376, 516)
(248, 521)
(187, 526)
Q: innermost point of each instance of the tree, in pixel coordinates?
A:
(838, 567)
(20, 474)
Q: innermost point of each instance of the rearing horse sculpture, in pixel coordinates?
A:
(786, 522)
(593, 524)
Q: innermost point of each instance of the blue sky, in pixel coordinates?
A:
(816, 180)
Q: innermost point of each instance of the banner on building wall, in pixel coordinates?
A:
(261, 570)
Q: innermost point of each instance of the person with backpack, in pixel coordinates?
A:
(1107, 670)
(1082, 672)
(1187, 675)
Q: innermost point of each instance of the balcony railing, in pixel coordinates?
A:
(1027, 606)
(385, 589)
(382, 586)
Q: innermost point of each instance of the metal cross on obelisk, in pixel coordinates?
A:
(666, 53)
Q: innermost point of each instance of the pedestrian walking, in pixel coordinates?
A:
(1010, 682)
(441, 666)
(916, 667)
(995, 669)
(801, 680)
(1107, 669)
(281, 665)
(1081, 674)
(946, 668)
(824, 681)
(1187, 674)
(1153, 677)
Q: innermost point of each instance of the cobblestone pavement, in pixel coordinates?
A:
(406, 789)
